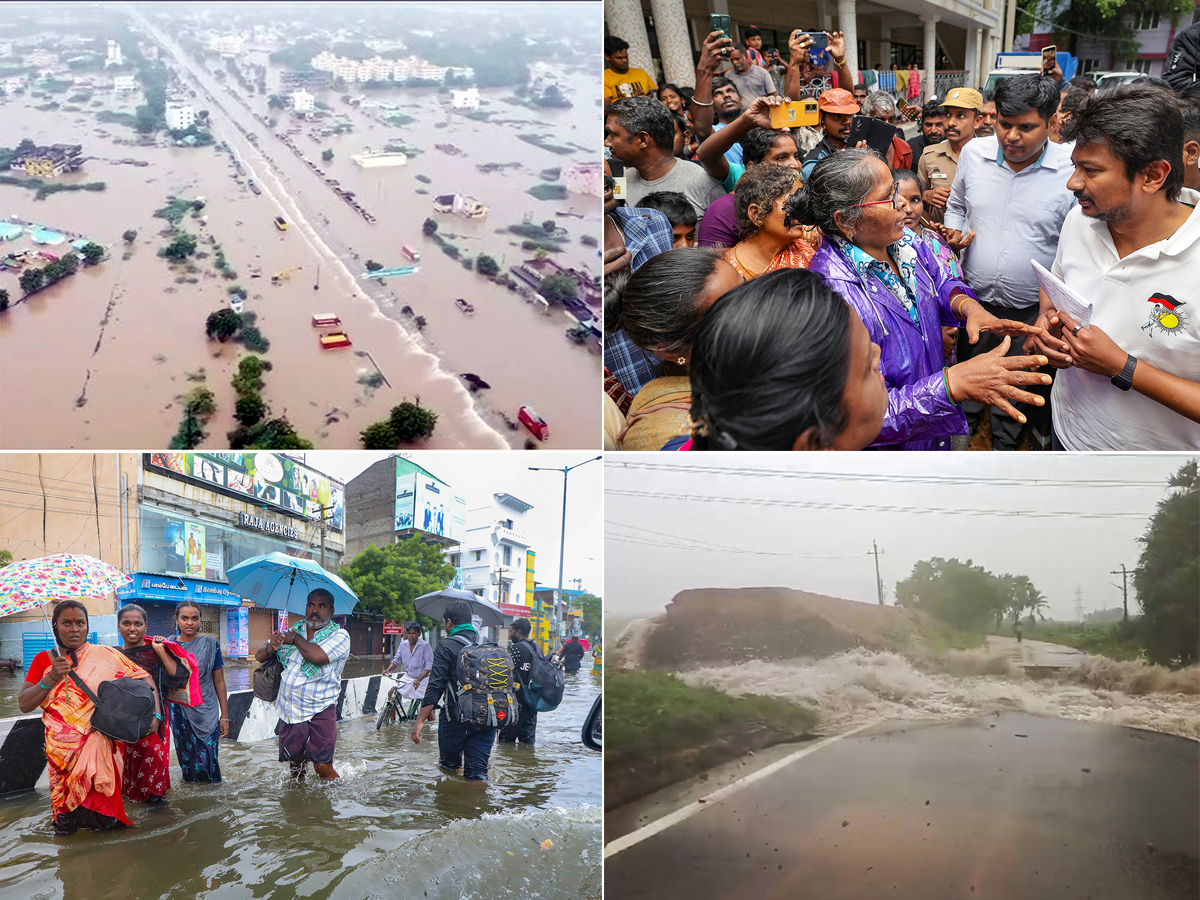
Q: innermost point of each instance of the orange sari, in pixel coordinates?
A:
(85, 765)
(798, 254)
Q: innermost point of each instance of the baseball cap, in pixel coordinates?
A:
(964, 98)
(838, 100)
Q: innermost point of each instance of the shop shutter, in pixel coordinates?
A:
(160, 619)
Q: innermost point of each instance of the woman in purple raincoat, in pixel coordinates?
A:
(904, 297)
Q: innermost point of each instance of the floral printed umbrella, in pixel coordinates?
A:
(32, 582)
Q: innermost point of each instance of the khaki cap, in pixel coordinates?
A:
(964, 98)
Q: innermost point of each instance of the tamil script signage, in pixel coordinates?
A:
(393, 627)
(170, 589)
(513, 609)
(258, 523)
(269, 479)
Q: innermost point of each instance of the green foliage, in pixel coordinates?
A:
(175, 210)
(429, 227)
(558, 288)
(110, 117)
(371, 380)
(963, 595)
(222, 324)
(92, 253)
(190, 432)
(248, 378)
(579, 333)
(200, 402)
(548, 191)
(255, 340)
(129, 236)
(6, 558)
(593, 613)
(274, 434)
(1108, 22)
(486, 265)
(1169, 570)
(373, 266)
(1115, 640)
(549, 226)
(327, 154)
(179, 249)
(412, 422)
(250, 409)
(379, 436)
(388, 579)
(32, 280)
(276, 102)
(3, 300)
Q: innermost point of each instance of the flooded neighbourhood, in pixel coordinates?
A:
(485, 320)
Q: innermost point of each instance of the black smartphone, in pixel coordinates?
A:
(820, 40)
(617, 168)
(722, 24)
(877, 133)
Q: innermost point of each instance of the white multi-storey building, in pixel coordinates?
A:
(230, 45)
(179, 116)
(468, 99)
(379, 69)
(584, 178)
(114, 57)
(493, 555)
(303, 101)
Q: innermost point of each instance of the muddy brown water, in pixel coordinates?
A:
(103, 357)
(393, 826)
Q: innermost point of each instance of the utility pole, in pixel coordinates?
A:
(1124, 591)
(874, 551)
(322, 511)
(1079, 603)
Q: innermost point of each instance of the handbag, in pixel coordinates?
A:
(124, 708)
(267, 678)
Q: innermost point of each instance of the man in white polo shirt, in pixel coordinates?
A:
(1131, 376)
(1011, 191)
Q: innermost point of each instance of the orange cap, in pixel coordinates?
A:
(837, 100)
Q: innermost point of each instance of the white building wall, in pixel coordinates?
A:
(179, 116)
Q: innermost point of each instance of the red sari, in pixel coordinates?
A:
(147, 763)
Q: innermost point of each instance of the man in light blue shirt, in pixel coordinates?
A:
(1011, 191)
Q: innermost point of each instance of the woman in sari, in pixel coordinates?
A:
(766, 241)
(199, 729)
(147, 763)
(85, 766)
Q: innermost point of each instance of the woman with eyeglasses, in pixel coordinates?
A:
(904, 297)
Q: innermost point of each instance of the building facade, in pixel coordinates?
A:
(179, 116)
(303, 101)
(1155, 34)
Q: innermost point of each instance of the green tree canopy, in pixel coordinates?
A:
(429, 227)
(558, 288)
(92, 253)
(486, 265)
(963, 595)
(1108, 22)
(593, 613)
(1169, 570)
(412, 422)
(222, 324)
(388, 579)
(379, 436)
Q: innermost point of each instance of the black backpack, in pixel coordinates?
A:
(486, 694)
(124, 708)
(544, 690)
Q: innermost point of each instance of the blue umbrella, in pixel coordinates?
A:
(279, 581)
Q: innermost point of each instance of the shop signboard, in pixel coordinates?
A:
(515, 609)
(390, 627)
(270, 479)
(172, 589)
(238, 622)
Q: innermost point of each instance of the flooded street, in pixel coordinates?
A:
(105, 356)
(393, 826)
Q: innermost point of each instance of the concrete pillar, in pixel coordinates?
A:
(671, 27)
(824, 16)
(1010, 25)
(885, 46)
(930, 56)
(624, 19)
(972, 61)
(848, 25)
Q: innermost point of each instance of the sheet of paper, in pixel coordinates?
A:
(1064, 298)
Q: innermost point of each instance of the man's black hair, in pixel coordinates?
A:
(751, 32)
(521, 626)
(638, 114)
(1154, 80)
(1083, 81)
(321, 592)
(988, 96)
(672, 204)
(1189, 105)
(1140, 123)
(720, 81)
(411, 625)
(932, 109)
(458, 612)
(614, 44)
(1018, 95)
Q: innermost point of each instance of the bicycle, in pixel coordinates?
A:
(393, 709)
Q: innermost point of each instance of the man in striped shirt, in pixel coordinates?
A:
(313, 654)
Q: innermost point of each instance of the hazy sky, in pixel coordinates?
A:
(1065, 520)
(477, 475)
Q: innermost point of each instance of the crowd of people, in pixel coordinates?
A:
(1014, 276)
(92, 774)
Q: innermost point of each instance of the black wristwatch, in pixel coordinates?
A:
(1125, 380)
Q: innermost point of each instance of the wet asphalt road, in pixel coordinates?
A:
(1007, 806)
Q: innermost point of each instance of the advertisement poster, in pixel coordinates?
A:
(406, 491)
(195, 549)
(268, 478)
(281, 620)
(176, 543)
(212, 565)
(439, 511)
(238, 621)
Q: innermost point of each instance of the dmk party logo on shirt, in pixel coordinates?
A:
(1165, 316)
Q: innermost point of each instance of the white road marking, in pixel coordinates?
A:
(646, 831)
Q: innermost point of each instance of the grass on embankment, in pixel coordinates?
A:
(1113, 639)
(660, 730)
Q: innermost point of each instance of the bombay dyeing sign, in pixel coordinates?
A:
(246, 520)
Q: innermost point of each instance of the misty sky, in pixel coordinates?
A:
(477, 475)
(651, 542)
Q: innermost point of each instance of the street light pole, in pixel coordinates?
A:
(562, 543)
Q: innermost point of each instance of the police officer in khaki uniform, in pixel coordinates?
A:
(939, 162)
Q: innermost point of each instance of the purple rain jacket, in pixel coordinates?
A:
(920, 415)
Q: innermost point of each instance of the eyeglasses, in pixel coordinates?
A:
(894, 199)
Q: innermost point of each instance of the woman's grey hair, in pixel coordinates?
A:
(836, 184)
(878, 102)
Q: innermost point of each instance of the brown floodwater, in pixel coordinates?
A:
(102, 358)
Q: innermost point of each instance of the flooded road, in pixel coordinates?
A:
(393, 826)
(127, 337)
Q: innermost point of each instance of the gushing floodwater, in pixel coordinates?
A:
(393, 826)
(861, 685)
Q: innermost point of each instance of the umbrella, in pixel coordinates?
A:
(434, 605)
(32, 582)
(279, 581)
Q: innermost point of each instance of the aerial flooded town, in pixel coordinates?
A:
(224, 227)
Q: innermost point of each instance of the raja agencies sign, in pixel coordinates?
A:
(258, 523)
